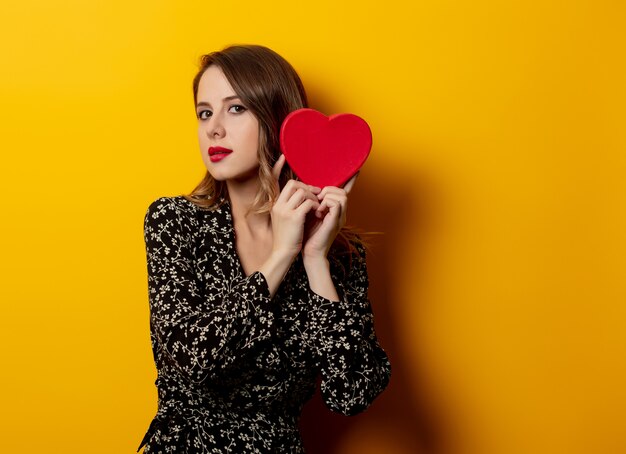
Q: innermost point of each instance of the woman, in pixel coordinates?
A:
(256, 287)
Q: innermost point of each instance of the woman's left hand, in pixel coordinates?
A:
(323, 224)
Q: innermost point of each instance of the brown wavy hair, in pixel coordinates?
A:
(270, 88)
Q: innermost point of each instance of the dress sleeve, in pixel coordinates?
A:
(200, 335)
(354, 367)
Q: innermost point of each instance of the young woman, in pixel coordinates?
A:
(256, 287)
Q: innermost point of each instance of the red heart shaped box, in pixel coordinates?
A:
(325, 151)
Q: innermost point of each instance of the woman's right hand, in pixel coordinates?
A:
(289, 212)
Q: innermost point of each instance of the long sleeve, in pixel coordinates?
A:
(354, 367)
(200, 334)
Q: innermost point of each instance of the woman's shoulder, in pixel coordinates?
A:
(187, 212)
(172, 203)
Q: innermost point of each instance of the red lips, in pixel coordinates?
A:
(218, 153)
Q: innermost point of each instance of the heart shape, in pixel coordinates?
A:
(325, 151)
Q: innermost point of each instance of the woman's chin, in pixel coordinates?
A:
(236, 178)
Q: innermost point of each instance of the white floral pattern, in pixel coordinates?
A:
(234, 367)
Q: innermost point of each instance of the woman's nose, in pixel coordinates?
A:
(216, 129)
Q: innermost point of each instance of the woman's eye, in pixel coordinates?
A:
(203, 115)
(237, 109)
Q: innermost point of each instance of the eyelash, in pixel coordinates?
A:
(243, 109)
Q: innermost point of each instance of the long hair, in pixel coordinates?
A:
(270, 87)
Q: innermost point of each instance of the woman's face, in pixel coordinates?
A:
(227, 131)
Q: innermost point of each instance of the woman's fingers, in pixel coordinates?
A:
(348, 186)
(299, 196)
(330, 200)
(291, 187)
(306, 206)
(332, 190)
(278, 167)
(335, 209)
(335, 206)
(341, 192)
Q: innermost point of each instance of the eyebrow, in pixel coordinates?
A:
(228, 98)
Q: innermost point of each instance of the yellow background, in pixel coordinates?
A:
(497, 173)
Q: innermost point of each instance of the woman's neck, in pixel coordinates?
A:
(241, 195)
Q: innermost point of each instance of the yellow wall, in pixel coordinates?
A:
(497, 173)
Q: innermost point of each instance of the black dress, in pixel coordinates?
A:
(234, 367)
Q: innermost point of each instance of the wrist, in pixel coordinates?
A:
(315, 262)
(275, 268)
(318, 274)
(282, 255)
(314, 255)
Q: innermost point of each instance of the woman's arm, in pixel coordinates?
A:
(318, 272)
(200, 334)
(354, 367)
(340, 328)
(288, 215)
(330, 217)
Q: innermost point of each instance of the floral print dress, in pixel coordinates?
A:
(234, 366)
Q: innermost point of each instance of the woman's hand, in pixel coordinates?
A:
(287, 217)
(289, 212)
(324, 224)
